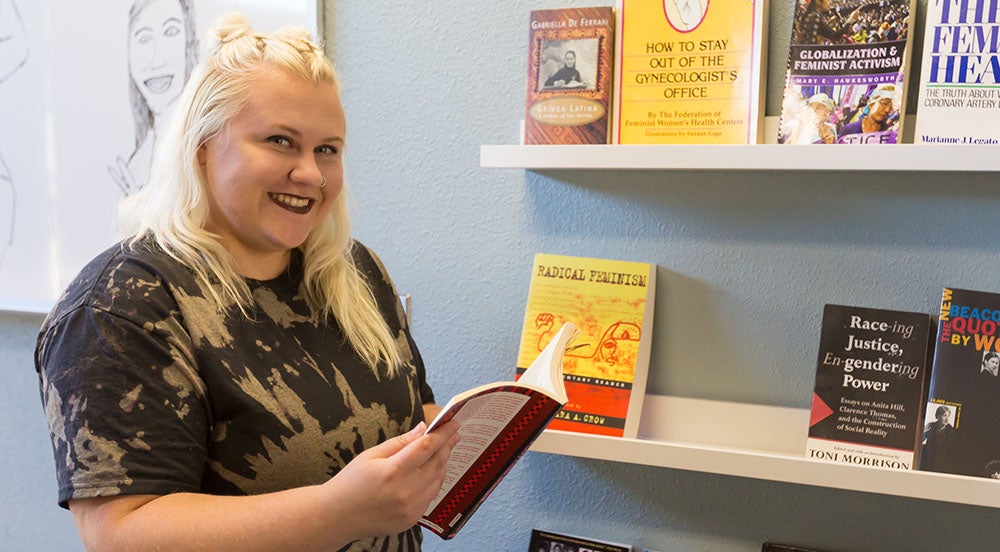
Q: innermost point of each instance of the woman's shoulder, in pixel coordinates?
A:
(367, 262)
(125, 274)
(371, 268)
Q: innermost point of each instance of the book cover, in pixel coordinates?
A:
(690, 71)
(960, 432)
(959, 74)
(871, 383)
(847, 71)
(548, 541)
(611, 303)
(570, 71)
(775, 547)
(498, 422)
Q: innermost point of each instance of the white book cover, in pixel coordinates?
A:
(959, 101)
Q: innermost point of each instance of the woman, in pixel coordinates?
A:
(813, 125)
(238, 375)
(990, 364)
(162, 50)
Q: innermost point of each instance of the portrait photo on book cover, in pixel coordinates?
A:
(990, 365)
(544, 545)
(685, 15)
(568, 64)
(938, 437)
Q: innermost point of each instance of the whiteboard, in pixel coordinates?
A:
(67, 126)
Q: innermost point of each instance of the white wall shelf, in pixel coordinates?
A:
(758, 442)
(771, 157)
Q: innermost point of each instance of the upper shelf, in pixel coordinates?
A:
(759, 442)
(770, 156)
(773, 157)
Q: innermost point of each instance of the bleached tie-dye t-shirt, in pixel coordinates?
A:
(149, 390)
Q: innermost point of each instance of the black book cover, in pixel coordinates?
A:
(962, 422)
(547, 541)
(871, 380)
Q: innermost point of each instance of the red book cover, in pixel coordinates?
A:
(497, 424)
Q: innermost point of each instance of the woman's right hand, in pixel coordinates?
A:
(386, 489)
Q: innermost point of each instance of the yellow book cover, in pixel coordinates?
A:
(611, 303)
(690, 71)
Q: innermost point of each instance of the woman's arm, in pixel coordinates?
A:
(383, 491)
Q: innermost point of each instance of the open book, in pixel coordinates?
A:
(497, 424)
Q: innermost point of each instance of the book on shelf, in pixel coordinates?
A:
(871, 384)
(845, 81)
(960, 433)
(775, 547)
(959, 74)
(570, 71)
(690, 71)
(548, 541)
(611, 303)
(497, 423)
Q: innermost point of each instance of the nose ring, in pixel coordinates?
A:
(323, 184)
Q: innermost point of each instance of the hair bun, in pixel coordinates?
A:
(231, 26)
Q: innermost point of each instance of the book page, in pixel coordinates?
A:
(480, 420)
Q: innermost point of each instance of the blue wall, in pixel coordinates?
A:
(746, 263)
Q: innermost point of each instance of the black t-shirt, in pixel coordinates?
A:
(148, 389)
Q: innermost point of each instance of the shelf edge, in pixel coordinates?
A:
(770, 466)
(764, 157)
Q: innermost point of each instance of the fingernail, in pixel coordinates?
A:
(419, 429)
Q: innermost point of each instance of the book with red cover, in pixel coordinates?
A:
(570, 65)
(497, 423)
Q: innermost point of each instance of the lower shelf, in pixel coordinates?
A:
(755, 441)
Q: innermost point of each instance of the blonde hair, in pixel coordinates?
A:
(173, 207)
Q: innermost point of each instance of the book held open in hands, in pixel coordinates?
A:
(497, 423)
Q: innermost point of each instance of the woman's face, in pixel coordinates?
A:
(993, 363)
(265, 168)
(881, 109)
(157, 50)
(820, 112)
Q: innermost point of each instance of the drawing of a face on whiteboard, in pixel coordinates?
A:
(13, 54)
(685, 15)
(162, 49)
